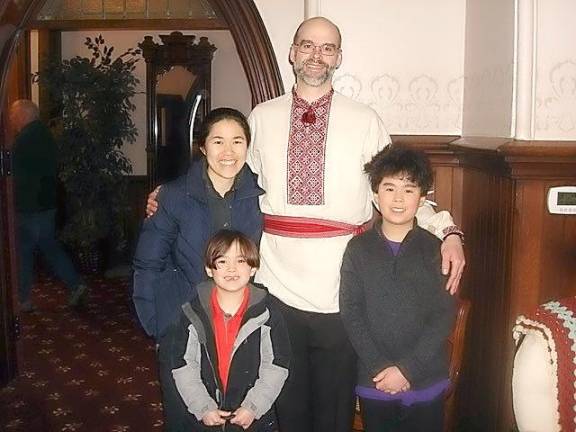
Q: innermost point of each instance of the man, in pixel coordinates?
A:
(35, 195)
(308, 149)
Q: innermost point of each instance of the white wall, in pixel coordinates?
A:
(441, 67)
(281, 18)
(555, 110)
(229, 84)
(398, 59)
(489, 68)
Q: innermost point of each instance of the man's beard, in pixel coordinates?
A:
(314, 81)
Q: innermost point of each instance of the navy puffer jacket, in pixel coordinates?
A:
(169, 258)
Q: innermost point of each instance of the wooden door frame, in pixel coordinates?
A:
(264, 79)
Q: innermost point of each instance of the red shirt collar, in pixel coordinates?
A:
(225, 332)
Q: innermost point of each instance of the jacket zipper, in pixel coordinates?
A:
(219, 393)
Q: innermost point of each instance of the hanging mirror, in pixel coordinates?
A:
(178, 79)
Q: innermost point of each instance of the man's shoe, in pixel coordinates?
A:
(79, 296)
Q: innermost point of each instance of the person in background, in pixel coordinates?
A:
(232, 343)
(218, 192)
(392, 303)
(35, 187)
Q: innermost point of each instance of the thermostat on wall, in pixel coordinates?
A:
(562, 200)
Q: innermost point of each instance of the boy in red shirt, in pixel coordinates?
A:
(233, 344)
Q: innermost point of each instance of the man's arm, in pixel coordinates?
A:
(442, 226)
(152, 202)
(252, 157)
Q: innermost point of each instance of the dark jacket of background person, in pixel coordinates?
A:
(258, 367)
(35, 168)
(169, 258)
(395, 308)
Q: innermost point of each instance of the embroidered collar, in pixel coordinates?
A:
(321, 101)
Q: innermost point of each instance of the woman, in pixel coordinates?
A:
(218, 192)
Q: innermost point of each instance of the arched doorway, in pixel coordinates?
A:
(261, 68)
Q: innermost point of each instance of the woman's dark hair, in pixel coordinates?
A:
(217, 115)
(399, 160)
(223, 240)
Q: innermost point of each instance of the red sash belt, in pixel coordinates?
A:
(301, 227)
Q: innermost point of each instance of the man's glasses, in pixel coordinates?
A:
(308, 47)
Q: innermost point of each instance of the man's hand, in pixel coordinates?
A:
(152, 203)
(391, 380)
(215, 417)
(243, 417)
(453, 261)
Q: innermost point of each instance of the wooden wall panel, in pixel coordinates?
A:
(487, 200)
(475, 186)
(518, 255)
(443, 188)
(557, 253)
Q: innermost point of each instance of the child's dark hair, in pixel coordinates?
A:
(223, 240)
(397, 159)
(219, 114)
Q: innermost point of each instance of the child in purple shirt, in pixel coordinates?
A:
(393, 303)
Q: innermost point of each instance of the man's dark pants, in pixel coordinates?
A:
(319, 393)
(36, 230)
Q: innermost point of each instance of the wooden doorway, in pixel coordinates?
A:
(261, 68)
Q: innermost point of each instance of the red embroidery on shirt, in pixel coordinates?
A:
(306, 150)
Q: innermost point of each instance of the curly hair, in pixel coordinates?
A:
(397, 159)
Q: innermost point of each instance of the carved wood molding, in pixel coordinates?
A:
(254, 47)
(177, 49)
(241, 16)
(133, 24)
(540, 159)
(515, 159)
(13, 21)
(453, 151)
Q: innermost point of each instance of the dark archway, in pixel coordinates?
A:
(254, 47)
(243, 19)
(261, 68)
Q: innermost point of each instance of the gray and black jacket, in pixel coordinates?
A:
(395, 308)
(258, 365)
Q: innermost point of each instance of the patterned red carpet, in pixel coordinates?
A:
(88, 370)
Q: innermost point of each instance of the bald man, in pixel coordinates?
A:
(308, 148)
(35, 195)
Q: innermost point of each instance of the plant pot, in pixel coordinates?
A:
(89, 260)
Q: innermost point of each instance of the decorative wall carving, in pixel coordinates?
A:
(421, 104)
(556, 101)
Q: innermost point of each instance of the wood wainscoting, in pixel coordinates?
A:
(518, 255)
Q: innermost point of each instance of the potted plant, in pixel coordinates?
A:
(94, 100)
